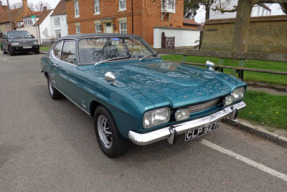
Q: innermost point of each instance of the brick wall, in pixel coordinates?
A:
(147, 15)
(266, 34)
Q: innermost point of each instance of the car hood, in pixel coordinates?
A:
(171, 84)
(21, 40)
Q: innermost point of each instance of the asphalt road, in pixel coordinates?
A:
(48, 145)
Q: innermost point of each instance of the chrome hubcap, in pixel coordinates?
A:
(51, 87)
(104, 131)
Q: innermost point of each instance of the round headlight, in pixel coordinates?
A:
(182, 114)
(238, 93)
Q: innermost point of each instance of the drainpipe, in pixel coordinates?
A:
(132, 16)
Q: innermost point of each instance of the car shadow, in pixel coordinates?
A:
(78, 129)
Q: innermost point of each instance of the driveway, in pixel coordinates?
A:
(48, 145)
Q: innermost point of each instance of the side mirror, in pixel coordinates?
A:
(209, 65)
(110, 77)
(33, 36)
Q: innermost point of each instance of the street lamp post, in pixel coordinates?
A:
(9, 12)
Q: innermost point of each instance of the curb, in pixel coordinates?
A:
(258, 131)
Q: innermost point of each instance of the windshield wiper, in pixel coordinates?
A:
(110, 59)
(152, 54)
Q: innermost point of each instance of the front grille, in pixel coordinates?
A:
(205, 105)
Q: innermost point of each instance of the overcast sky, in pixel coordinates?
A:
(200, 16)
(52, 3)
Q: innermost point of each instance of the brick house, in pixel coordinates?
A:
(123, 16)
(16, 16)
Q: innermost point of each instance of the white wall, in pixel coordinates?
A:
(45, 28)
(183, 37)
(257, 11)
(63, 27)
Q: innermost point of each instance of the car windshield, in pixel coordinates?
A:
(94, 50)
(18, 34)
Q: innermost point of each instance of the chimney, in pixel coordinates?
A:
(45, 8)
(25, 5)
(1, 8)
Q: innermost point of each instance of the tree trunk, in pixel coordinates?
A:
(241, 29)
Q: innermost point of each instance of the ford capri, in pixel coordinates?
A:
(135, 96)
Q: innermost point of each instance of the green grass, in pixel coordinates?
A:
(44, 48)
(248, 76)
(265, 109)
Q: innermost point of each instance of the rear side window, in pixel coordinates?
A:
(57, 50)
(69, 52)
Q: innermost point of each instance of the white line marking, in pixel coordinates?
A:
(245, 160)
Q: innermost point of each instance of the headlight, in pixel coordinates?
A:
(14, 44)
(35, 43)
(237, 94)
(182, 114)
(156, 117)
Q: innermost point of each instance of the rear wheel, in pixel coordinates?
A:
(109, 138)
(54, 93)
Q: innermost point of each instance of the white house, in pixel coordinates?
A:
(38, 24)
(59, 25)
(257, 11)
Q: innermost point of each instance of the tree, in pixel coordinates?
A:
(191, 6)
(33, 7)
(241, 29)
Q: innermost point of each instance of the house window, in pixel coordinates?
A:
(78, 29)
(122, 5)
(58, 34)
(123, 27)
(168, 5)
(57, 21)
(19, 24)
(98, 28)
(76, 8)
(97, 6)
(28, 21)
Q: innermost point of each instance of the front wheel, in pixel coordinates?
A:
(11, 51)
(54, 93)
(3, 50)
(109, 138)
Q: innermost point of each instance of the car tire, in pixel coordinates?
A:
(3, 50)
(109, 139)
(10, 51)
(37, 52)
(54, 93)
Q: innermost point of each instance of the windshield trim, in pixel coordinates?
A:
(146, 45)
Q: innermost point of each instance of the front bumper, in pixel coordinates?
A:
(22, 49)
(171, 132)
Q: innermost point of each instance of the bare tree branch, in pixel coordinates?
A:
(222, 10)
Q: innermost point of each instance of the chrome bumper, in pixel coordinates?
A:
(171, 132)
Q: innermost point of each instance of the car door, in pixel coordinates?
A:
(66, 76)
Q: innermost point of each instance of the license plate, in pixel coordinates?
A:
(194, 133)
(27, 47)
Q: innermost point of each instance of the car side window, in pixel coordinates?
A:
(57, 50)
(69, 52)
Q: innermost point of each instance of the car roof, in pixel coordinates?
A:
(87, 35)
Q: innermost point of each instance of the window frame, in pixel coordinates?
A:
(120, 27)
(97, 5)
(75, 48)
(57, 21)
(59, 42)
(97, 24)
(78, 31)
(125, 8)
(76, 9)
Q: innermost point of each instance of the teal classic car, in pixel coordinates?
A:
(135, 96)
